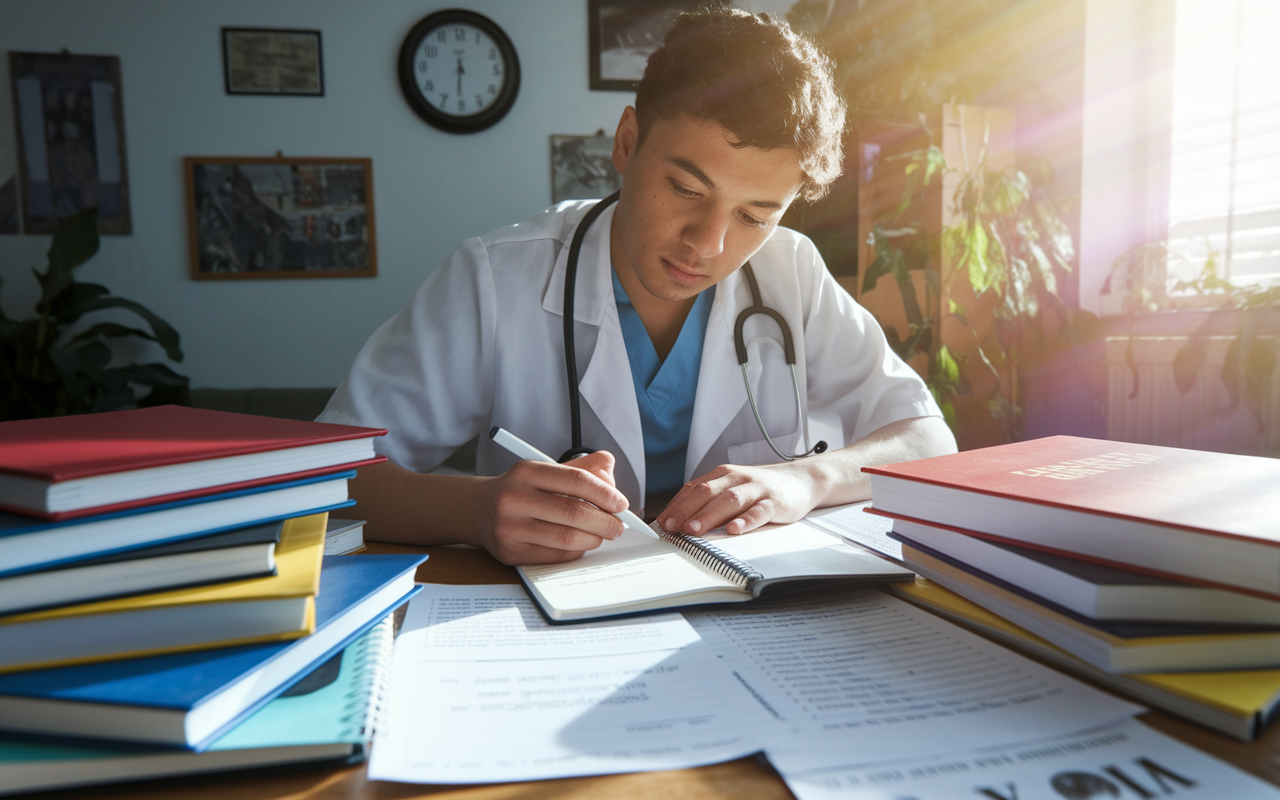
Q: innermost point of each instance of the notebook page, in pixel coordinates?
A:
(799, 550)
(631, 568)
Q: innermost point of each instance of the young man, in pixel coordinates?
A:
(736, 116)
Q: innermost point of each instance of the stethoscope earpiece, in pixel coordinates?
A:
(573, 453)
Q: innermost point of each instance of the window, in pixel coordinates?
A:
(1224, 181)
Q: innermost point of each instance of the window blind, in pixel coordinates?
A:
(1224, 183)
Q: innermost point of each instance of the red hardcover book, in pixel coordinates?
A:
(1211, 518)
(63, 467)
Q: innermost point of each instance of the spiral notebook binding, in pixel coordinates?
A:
(713, 558)
(371, 660)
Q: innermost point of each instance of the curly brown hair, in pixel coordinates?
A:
(762, 82)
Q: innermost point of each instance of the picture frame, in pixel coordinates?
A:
(277, 217)
(582, 167)
(621, 36)
(69, 126)
(273, 61)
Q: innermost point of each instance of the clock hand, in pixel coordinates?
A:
(461, 72)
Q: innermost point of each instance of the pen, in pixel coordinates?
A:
(520, 448)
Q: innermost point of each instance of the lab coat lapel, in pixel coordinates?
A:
(720, 393)
(606, 385)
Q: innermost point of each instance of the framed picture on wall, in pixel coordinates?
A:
(272, 61)
(70, 133)
(582, 168)
(280, 218)
(623, 33)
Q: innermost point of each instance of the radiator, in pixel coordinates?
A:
(1159, 414)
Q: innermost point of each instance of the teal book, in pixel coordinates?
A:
(326, 718)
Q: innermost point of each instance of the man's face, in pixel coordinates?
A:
(693, 208)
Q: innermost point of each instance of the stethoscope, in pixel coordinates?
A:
(740, 346)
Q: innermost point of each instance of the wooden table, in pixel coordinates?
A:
(743, 778)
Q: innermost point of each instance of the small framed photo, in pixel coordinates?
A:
(70, 135)
(280, 218)
(582, 168)
(622, 35)
(272, 61)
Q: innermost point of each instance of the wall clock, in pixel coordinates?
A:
(459, 71)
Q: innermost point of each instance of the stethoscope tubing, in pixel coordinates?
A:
(739, 343)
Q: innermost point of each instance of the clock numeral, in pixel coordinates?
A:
(444, 98)
(432, 51)
(462, 104)
(479, 101)
(497, 70)
(493, 89)
(493, 53)
(442, 36)
(478, 37)
(422, 66)
(429, 86)
(459, 34)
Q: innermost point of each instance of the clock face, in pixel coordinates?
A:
(458, 71)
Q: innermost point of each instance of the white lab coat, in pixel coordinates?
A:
(481, 344)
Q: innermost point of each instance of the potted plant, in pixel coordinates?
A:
(1246, 315)
(960, 247)
(51, 366)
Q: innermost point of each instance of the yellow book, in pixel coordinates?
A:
(1239, 703)
(276, 607)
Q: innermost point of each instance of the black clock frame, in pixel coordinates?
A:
(434, 116)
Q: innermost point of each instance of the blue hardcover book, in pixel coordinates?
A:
(190, 699)
(325, 718)
(28, 544)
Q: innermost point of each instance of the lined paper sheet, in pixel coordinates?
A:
(483, 690)
(1126, 760)
(857, 526)
(866, 673)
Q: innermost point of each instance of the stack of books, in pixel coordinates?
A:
(163, 577)
(1121, 561)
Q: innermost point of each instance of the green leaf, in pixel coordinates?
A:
(74, 242)
(108, 330)
(1188, 361)
(165, 335)
(976, 259)
(881, 265)
(1132, 362)
(154, 374)
(947, 365)
(76, 294)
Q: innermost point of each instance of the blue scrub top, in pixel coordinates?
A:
(665, 390)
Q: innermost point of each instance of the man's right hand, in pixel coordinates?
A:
(539, 513)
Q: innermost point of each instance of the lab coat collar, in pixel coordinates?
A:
(606, 385)
(595, 271)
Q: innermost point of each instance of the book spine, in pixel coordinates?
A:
(373, 665)
(713, 558)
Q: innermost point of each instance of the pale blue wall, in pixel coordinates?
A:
(432, 189)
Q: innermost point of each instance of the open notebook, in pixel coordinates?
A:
(634, 573)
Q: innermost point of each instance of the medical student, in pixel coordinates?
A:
(735, 118)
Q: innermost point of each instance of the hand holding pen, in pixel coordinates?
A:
(541, 512)
(522, 449)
